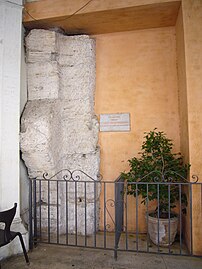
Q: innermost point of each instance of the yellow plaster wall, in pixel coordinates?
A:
(136, 73)
(192, 18)
(183, 111)
(181, 69)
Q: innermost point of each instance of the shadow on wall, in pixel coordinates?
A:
(24, 194)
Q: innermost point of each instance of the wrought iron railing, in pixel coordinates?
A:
(74, 209)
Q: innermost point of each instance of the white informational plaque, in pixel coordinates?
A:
(119, 122)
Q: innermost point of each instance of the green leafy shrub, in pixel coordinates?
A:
(158, 164)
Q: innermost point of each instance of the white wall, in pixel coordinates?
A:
(24, 180)
(10, 58)
(10, 69)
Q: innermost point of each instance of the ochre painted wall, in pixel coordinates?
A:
(192, 19)
(136, 73)
(181, 69)
(183, 111)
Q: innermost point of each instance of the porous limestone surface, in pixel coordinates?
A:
(84, 226)
(43, 80)
(69, 218)
(81, 72)
(78, 64)
(59, 129)
(89, 163)
(41, 41)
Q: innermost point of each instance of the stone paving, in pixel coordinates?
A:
(59, 257)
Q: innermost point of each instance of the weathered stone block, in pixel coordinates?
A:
(83, 218)
(75, 46)
(43, 80)
(49, 221)
(80, 78)
(76, 59)
(35, 127)
(36, 135)
(41, 40)
(88, 163)
(75, 109)
(38, 56)
(79, 137)
(84, 191)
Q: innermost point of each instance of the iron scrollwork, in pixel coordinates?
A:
(162, 177)
(68, 175)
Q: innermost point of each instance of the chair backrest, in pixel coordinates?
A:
(7, 217)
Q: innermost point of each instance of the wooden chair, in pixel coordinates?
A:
(6, 236)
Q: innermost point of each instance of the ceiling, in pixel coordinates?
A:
(98, 20)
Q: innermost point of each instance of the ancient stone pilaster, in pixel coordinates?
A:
(59, 129)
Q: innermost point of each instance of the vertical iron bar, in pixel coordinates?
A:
(40, 209)
(76, 213)
(48, 211)
(126, 217)
(30, 216)
(158, 212)
(180, 198)
(147, 220)
(136, 193)
(94, 214)
(35, 214)
(119, 212)
(191, 238)
(104, 214)
(85, 214)
(115, 224)
(67, 230)
(169, 218)
(58, 212)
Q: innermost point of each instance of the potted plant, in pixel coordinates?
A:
(157, 164)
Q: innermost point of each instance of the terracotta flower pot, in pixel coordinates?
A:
(163, 229)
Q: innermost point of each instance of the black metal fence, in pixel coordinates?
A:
(74, 209)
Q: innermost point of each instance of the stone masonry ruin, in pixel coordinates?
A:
(59, 129)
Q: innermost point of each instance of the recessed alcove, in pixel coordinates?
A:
(140, 69)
